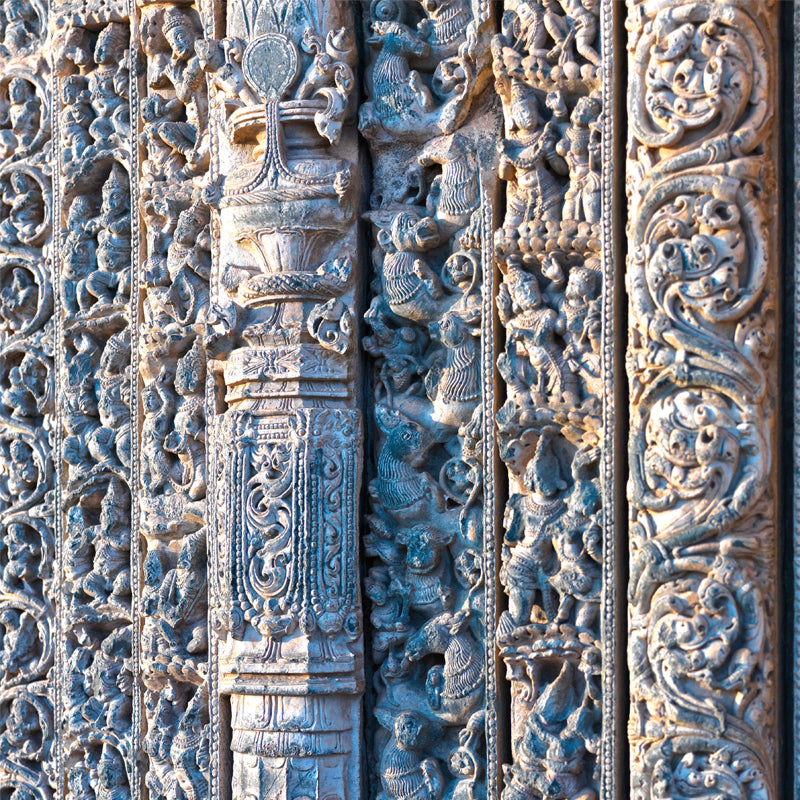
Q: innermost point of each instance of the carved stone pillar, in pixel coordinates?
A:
(286, 432)
(28, 578)
(702, 269)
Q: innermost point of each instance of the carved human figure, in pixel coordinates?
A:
(112, 779)
(530, 165)
(23, 197)
(109, 580)
(22, 25)
(158, 405)
(24, 113)
(109, 283)
(24, 551)
(108, 88)
(533, 363)
(187, 439)
(580, 148)
(19, 640)
(530, 521)
(21, 736)
(184, 69)
(19, 299)
(78, 255)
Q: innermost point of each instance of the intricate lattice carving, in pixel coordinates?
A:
(547, 70)
(27, 412)
(701, 364)
(95, 383)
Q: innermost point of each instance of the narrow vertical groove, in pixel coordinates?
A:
(791, 196)
(703, 284)
(612, 635)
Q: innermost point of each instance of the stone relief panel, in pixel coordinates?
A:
(28, 591)
(431, 130)
(99, 572)
(702, 270)
(285, 456)
(174, 295)
(547, 66)
(183, 212)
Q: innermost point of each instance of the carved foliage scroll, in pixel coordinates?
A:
(27, 414)
(97, 717)
(174, 289)
(428, 128)
(547, 65)
(701, 277)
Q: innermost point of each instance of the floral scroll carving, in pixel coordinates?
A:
(701, 364)
(28, 583)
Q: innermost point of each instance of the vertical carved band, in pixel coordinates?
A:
(174, 295)
(27, 411)
(702, 269)
(96, 162)
(430, 557)
(548, 71)
(285, 591)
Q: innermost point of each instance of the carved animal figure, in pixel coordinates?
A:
(455, 689)
(402, 101)
(405, 773)
(428, 579)
(455, 390)
(401, 487)
(410, 287)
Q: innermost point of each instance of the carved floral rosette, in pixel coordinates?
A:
(701, 364)
(27, 414)
(98, 699)
(174, 292)
(431, 134)
(547, 62)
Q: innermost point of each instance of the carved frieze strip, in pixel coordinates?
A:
(99, 717)
(548, 61)
(429, 531)
(174, 311)
(28, 585)
(702, 367)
